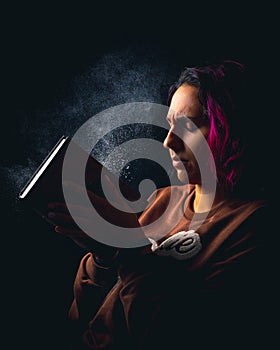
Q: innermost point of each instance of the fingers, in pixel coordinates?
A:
(77, 236)
(65, 219)
(78, 192)
(120, 215)
(71, 233)
(84, 241)
(79, 199)
(60, 218)
(58, 207)
(116, 198)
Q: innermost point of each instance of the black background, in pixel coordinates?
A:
(48, 52)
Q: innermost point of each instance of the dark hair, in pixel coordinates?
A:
(223, 93)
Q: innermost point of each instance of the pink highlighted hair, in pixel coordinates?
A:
(221, 93)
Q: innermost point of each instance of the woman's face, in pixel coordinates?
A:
(188, 127)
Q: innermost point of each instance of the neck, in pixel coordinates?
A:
(205, 199)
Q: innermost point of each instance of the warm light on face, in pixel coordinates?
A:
(188, 128)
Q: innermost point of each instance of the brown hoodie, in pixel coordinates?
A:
(167, 297)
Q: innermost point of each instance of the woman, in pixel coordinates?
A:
(194, 285)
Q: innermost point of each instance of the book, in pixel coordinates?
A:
(45, 185)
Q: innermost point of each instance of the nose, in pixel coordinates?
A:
(173, 141)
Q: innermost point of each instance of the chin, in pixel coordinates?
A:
(188, 177)
(183, 176)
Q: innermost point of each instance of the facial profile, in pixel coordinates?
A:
(188, 126)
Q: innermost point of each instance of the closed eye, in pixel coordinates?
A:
(190, 126)
(182, 122)
(188, 122)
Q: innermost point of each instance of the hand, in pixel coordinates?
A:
(65, 224)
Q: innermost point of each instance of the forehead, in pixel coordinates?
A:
(185, 101)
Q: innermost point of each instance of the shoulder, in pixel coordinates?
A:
(249, 219)
(248, 209)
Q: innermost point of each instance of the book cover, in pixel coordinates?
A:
(45, 185)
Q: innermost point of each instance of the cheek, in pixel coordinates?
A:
(195, 144)
(191, 146)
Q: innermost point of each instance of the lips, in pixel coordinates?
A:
(179, 163)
